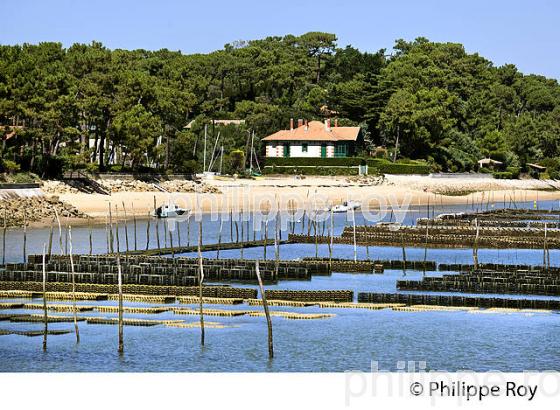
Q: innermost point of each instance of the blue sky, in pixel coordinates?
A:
(525, 33)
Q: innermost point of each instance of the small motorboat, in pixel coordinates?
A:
(170, 211)
(454, 215)
(346, 206)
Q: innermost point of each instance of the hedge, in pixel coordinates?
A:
(375, 165)
(317, 162)
(400, 167)
(325, 171)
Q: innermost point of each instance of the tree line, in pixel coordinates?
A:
(87, 106)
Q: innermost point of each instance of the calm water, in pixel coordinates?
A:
(351, 340)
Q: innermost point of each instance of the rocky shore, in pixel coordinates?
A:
(126, 185)
(16, 210)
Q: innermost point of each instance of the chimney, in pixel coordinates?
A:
(336, 122)
(328, 124)
(291, 124)
(299, 122)
(306, 125)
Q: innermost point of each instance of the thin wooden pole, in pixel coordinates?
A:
(120, 286)
(66, 240)
(331, 239)
(475, 247)
(403, 254)
(134, 222)
(24, 238)
(545, 245)
(107, 233)
(220, 237)
(111, 238)
(178, 224)
(49, 252)
(426, 244)
(120, 320)
(266, 312)
(148, 231)
(125, 227)
(231, 225)
(4, 238)
(59, 232)
(316, 234)
(157, 227)
(74, 309)
(189, 230)
(90, 229)
(276, 248)
(171, 240)
(265, 235)
(200, 280)
(117, 227)
(354, 235)
(45, 317)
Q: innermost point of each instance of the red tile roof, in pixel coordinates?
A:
(316, 131)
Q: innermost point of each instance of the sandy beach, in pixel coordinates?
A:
(287, 191)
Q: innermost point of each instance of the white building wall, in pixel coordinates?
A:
(296, 150)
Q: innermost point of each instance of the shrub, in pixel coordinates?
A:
(384, 166)
(380, 152)
(514, 171)
(503, 175)
(10, 166)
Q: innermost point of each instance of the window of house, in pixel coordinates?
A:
(304, 147)
(340, 150)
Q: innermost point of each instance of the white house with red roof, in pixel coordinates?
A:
(312, 140)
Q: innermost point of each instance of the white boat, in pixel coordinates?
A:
(450, 215)
(346, 206)
(169, 211)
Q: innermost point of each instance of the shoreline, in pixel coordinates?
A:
(253, 195)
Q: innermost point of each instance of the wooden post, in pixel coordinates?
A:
(165, 234)
(354, 235)
(45, 317)
(107, 233)
(125, 227)
(316, 234)
(59, 232)
(331, 239)
(545, 245)
(475, 247)
(189, 230)
(120, 320)
(178, 225)
(403, 254)
(367, 241)
(111, 238)
(171, 239)
(73, 272)
(265, 235)
(157, 227)
(134, 222)
(231, 225)
(24, 238)
(266, 312)
(426, 245)
(90, 229)
(220, 237)
(49, 252)
(117, 228)
(148, 232)
(200, 280)
(4, 238)
(66, 240)
(276, 248)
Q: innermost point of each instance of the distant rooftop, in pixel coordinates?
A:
(218, 122)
